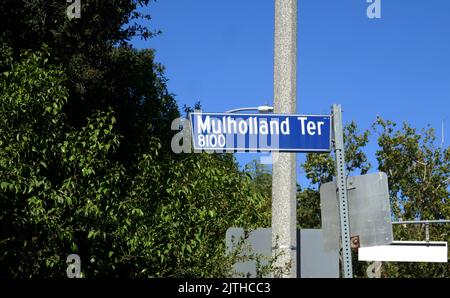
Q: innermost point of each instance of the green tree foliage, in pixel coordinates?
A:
(63, 192)
(102, 24)
(308, 208)
(54, 180)
(418, 174)
(195, 201)
(261, 177)
(86, 164)
(101, 69)
(261, 184)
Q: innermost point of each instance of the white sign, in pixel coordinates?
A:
(406, 251)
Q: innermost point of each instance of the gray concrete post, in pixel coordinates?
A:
(284, 180)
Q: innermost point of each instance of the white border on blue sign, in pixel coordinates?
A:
(228, 150)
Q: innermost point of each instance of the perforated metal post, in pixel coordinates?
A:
(342, 191)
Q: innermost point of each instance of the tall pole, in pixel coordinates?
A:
(284, 180)
(342, 192)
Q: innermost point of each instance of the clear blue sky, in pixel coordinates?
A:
(221, 54)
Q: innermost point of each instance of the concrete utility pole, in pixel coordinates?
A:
(284, 180)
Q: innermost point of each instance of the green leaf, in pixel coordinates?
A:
(4, 185)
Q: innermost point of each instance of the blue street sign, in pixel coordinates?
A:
(224, 132)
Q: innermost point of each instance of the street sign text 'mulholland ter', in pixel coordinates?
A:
(256, 132)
